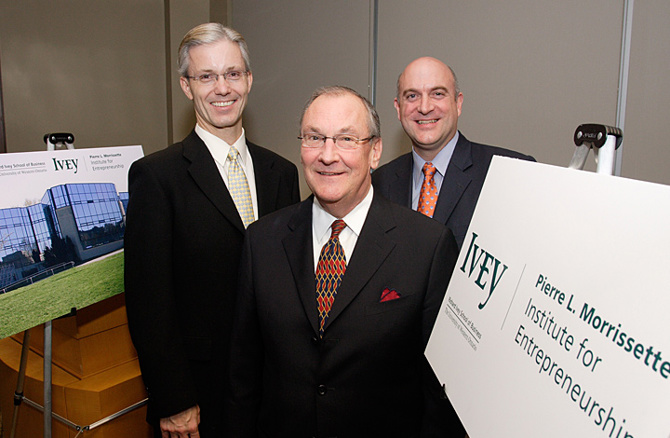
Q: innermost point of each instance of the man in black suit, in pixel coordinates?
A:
(330, 329)
(188, 210)
(429, 103)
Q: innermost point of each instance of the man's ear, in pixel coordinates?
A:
(250, 78)
(186, 87)
(376, 153)
(459, 103)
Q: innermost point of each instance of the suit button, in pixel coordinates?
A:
(316, 341)
(322, 390)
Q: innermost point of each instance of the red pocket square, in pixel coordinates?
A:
(388, 295)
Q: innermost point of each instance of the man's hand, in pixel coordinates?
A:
(182, 425)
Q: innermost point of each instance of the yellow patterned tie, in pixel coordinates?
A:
(239, 188)
(329, 272)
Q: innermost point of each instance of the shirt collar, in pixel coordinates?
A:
(441, 160)
(219, 148)
(322, 220)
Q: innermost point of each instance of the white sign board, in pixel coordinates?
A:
(556, 320)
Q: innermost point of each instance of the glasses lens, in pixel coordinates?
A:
(345, 141)
(311, 140)
(234, 75)
(207, 78)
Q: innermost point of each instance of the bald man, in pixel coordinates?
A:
(442, 160)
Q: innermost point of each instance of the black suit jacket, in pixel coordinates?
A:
(367, 375)
(182, 248)
(460, 188)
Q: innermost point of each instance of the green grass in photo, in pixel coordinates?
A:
(55, 296)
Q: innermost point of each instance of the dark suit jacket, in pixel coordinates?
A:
(365, 377)
(460, 188)
(182, 248)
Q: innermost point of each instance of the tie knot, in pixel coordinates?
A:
(429, 170)
(233, 153)
(337, 227)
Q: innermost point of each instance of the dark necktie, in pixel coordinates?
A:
(329, 272)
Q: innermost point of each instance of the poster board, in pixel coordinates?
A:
(555, 322)
(62, 217)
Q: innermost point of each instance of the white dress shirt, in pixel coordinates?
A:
(322, 220)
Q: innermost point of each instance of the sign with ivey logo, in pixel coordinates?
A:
(548, 327)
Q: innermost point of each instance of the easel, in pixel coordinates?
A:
(47, 408)
(54, 141)
(18, 394)
(604, 140)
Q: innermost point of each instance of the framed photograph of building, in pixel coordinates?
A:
(62, 213)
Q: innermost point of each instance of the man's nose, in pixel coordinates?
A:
(425, 105)
(329, 151)
(221, 85)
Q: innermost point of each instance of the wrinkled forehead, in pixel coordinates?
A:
(330, 113)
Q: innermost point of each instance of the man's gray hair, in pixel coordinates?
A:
(374, 125)
(209, 33)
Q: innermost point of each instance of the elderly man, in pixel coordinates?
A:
(188, 210)
(338, 296)
(444, 174)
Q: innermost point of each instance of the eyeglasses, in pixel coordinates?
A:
(342, 141)
(212, 78)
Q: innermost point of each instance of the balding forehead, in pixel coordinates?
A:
(427, 66)
(427, 60)
(426, 73)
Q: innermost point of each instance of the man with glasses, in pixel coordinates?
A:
(338, 296)
(188, 210)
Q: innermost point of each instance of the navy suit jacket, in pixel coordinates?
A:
(460, 188)
(182, 249)
(367, 376)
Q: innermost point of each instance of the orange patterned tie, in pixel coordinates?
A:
(428, 193)
(329, 272)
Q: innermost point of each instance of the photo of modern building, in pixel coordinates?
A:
(72, 224)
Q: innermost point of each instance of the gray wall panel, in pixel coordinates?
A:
(646, 155)
(297, 46)
(530, 71)
(96, 69)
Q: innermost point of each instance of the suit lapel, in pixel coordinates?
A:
(267, 180)
(206, 175)
(298, 247)
(372, 248)
(455, 181)
(400, 189)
